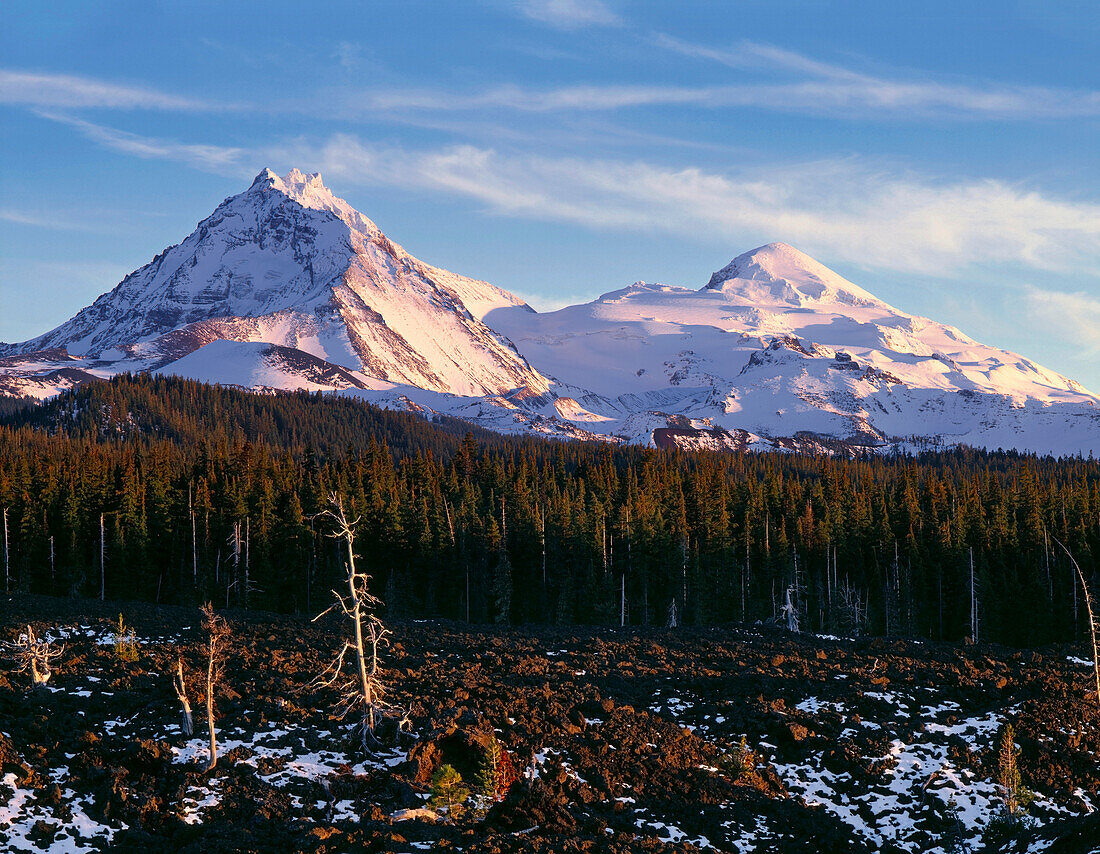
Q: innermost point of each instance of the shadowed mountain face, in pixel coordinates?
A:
(776, 349)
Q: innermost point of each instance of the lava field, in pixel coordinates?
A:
(732, 739)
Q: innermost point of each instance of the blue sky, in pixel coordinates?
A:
(942, 155)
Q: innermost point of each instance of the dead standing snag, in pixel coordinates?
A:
(363, 691)
(217, 630)
(34, 656)
(187, 723)
(1094, 627)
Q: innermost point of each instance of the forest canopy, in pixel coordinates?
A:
(185, 490)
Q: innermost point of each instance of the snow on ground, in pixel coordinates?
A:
(918, 781)
(20, 815)
(920, 741)
(287, 756)
(667, 832)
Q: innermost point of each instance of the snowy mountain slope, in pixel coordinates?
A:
(286, 286)
(258, 365)
(288, 263)
(778, 345)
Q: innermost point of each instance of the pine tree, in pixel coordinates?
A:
(1014, 796)
(502, 589)
(449, 792)
(496, 773)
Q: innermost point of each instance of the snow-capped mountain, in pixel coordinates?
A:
(288, 263)
(287, 286)
(783, 348)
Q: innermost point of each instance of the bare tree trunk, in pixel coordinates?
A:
(194, 544)
(360, 652)
(973, 602)
(790, 612)
(745, 577)
(603, 541)
(247, 569)
(102, 560)
(210, 712)
(364, 692)
(1093, 628)
(542, 537)
(217, 633)
(187, 724)
(40, 669)
(7, 569)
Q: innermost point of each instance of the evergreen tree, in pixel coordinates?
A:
(449, 792)
(502, 589)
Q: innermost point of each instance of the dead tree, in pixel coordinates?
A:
(851, 611)
(7, 562)
(217, 631)
(102, 559)
(1093, 627)
(34, 656)
(790, 612)
(362, 692)
(187, 724)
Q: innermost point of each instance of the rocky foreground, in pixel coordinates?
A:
(734, 739)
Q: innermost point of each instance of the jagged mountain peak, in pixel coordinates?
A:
(288, 263)
(295, 181)
(777, 272)
(309, 191)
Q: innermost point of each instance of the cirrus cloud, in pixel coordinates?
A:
(569, 14)
(843, 209)
(68, 91)
(1074, 316)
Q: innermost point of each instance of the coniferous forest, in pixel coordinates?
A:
(171, 491)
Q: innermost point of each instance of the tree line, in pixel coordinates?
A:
(169, 490)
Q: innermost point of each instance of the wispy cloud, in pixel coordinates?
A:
(62, 90)
(791, 82)
(569, 14)
(63, 222)
(842, 209)
(1073, 316)
(805, 86)
(215, 158)
(24, 218)
(582, 98)
(827, 87)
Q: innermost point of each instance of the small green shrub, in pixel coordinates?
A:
(126, 648)
(740, 762)
(449, 792)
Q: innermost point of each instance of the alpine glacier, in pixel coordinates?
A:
(286, 286)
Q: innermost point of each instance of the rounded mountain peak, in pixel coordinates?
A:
(779, 272)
